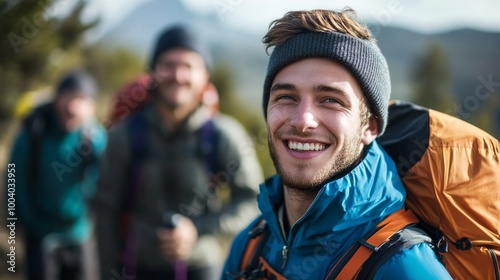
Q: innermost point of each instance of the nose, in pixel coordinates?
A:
(172, 73)
(179, 74)
(304, 117)
(74, 105)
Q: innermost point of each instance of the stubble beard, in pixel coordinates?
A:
(348, 157)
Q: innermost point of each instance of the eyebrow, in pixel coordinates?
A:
(327, 88)
(280, 86)
(317, 88)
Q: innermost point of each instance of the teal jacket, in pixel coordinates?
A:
(55, 201)
(344, 210)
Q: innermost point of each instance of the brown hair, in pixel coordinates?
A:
(296, 22)
(365, 112)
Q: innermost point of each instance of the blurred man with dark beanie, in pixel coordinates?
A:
(174, 176)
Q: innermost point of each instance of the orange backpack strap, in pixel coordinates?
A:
(388, 227)
(256, 235)
(251, 267)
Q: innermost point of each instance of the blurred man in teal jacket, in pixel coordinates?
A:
(56, 156)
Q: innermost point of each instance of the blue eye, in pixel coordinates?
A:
(284, 97)
(331, 100)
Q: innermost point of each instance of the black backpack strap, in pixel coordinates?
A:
(207, 152)
(137, 129)
(35, 124)
(207, 136)
(401, 240)
(88, 154)
(137, 135)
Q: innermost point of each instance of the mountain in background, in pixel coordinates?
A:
(472, 54)
(243, 52)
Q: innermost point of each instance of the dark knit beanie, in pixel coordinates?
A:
(79, 82)
(180, 37)
(361, 57)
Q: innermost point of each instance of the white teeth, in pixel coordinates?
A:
(292, 145)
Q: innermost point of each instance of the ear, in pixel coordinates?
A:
(208, 84)
(369, 131)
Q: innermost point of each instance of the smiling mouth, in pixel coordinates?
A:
(301, 146)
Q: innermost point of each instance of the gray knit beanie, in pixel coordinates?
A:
(361, 57)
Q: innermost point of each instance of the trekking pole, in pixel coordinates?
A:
(171, 221)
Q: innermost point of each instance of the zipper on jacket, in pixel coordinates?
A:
(284, 253)
(495, 263)
(287, 239)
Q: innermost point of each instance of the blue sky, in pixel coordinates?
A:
(420, 15)
(425, 16)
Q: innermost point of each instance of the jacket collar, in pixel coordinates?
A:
(371, 191)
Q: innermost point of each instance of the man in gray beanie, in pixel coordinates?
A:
(325, 101)
(175, 178)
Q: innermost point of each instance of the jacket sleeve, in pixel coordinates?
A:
(418, 262)
(240, 170)
(108, 200)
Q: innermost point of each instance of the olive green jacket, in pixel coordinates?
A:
(175, 178)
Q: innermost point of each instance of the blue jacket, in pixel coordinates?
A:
(55, 203)
(343, 211)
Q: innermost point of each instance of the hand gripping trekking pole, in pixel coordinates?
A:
(171, 221)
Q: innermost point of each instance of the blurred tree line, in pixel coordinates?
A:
(36, 49)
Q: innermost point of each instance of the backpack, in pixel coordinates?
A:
(451, 171)
(130, 99)
(137, 128)
(439, 165)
